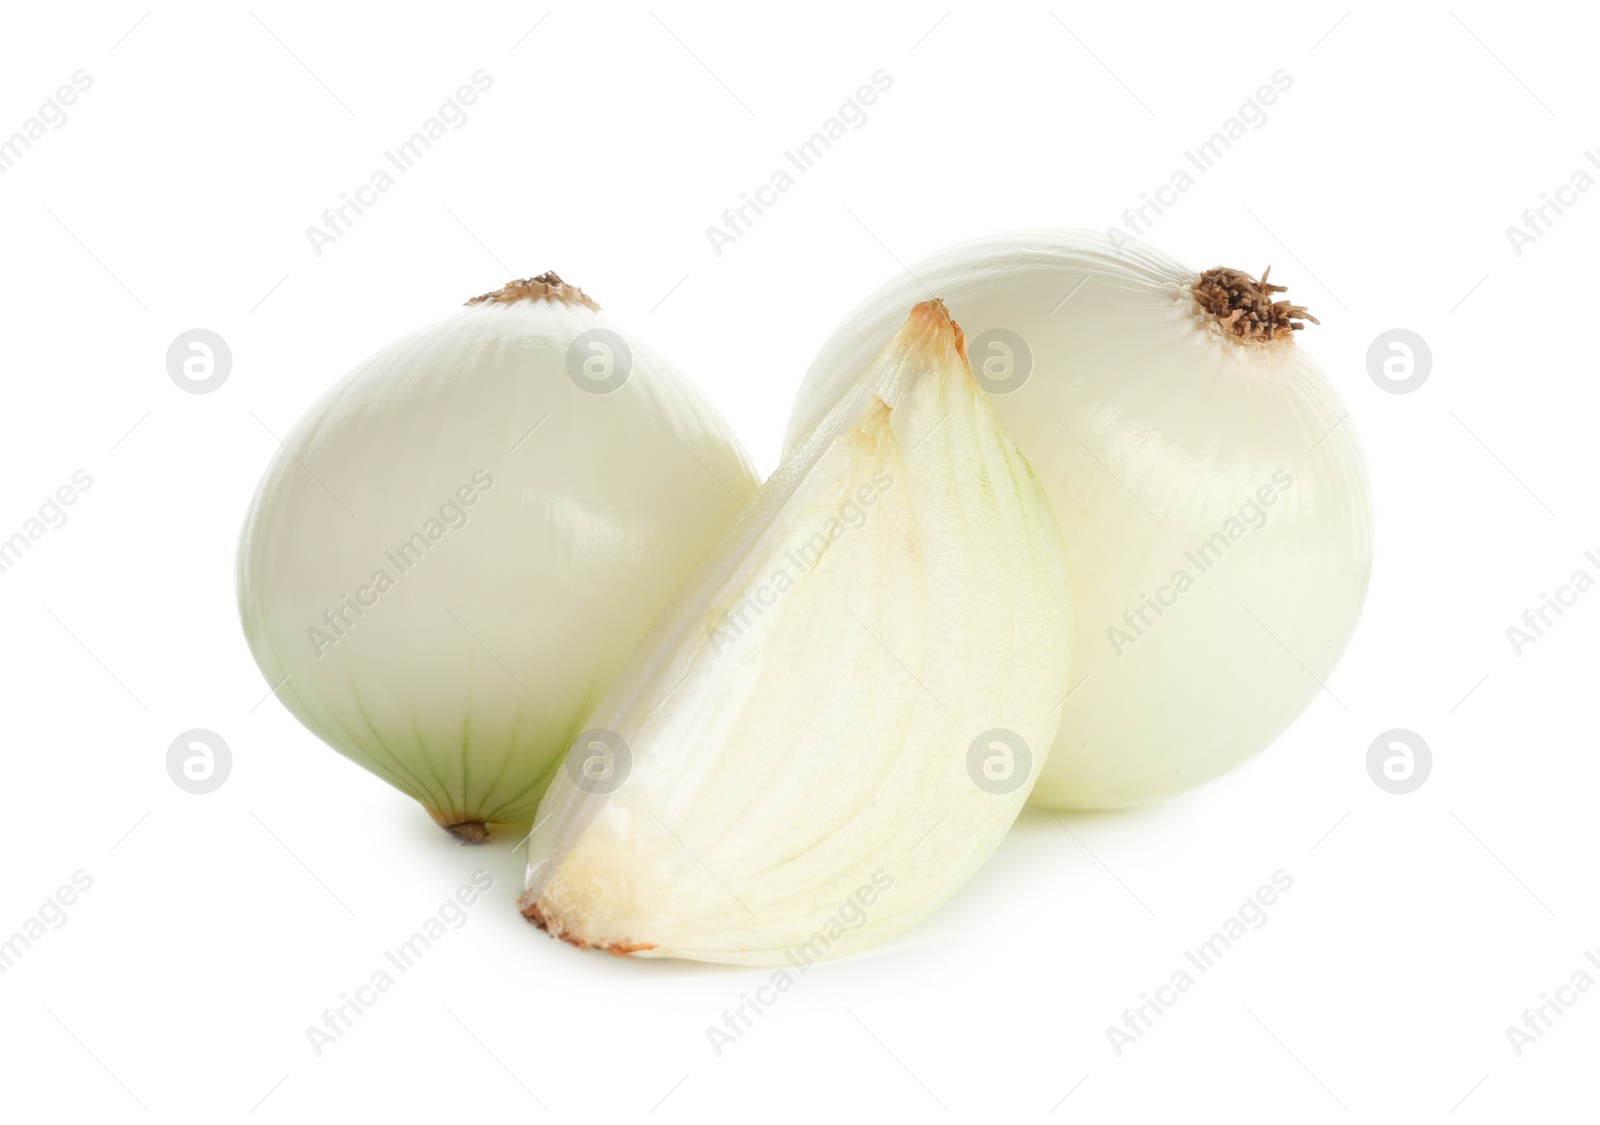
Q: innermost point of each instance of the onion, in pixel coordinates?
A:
(1204, 473)
(461, 543)
(844, 712)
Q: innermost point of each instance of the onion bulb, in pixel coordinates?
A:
(457, 548)
(1203, 471)
(847, 707)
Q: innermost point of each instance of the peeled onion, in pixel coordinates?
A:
(1206, 477)
(461, 543)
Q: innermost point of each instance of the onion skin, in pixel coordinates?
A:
(1150, 426)
(463, 681)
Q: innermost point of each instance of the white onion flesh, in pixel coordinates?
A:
(787, 770)
(1152, 428)
(547, 527)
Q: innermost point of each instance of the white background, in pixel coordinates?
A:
(219, 927)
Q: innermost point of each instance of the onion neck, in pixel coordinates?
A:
(546, 287)
(931, 326)
(1244, 309)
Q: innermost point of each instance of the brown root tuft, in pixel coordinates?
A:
(1244, 306)
(546, 287)
(470, 832)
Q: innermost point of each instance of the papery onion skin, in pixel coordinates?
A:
(1150, 426)
(555, 523)
(841, 717)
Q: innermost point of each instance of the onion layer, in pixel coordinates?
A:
(843, 715)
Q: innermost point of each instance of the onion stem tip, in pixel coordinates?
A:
(1244, 306)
